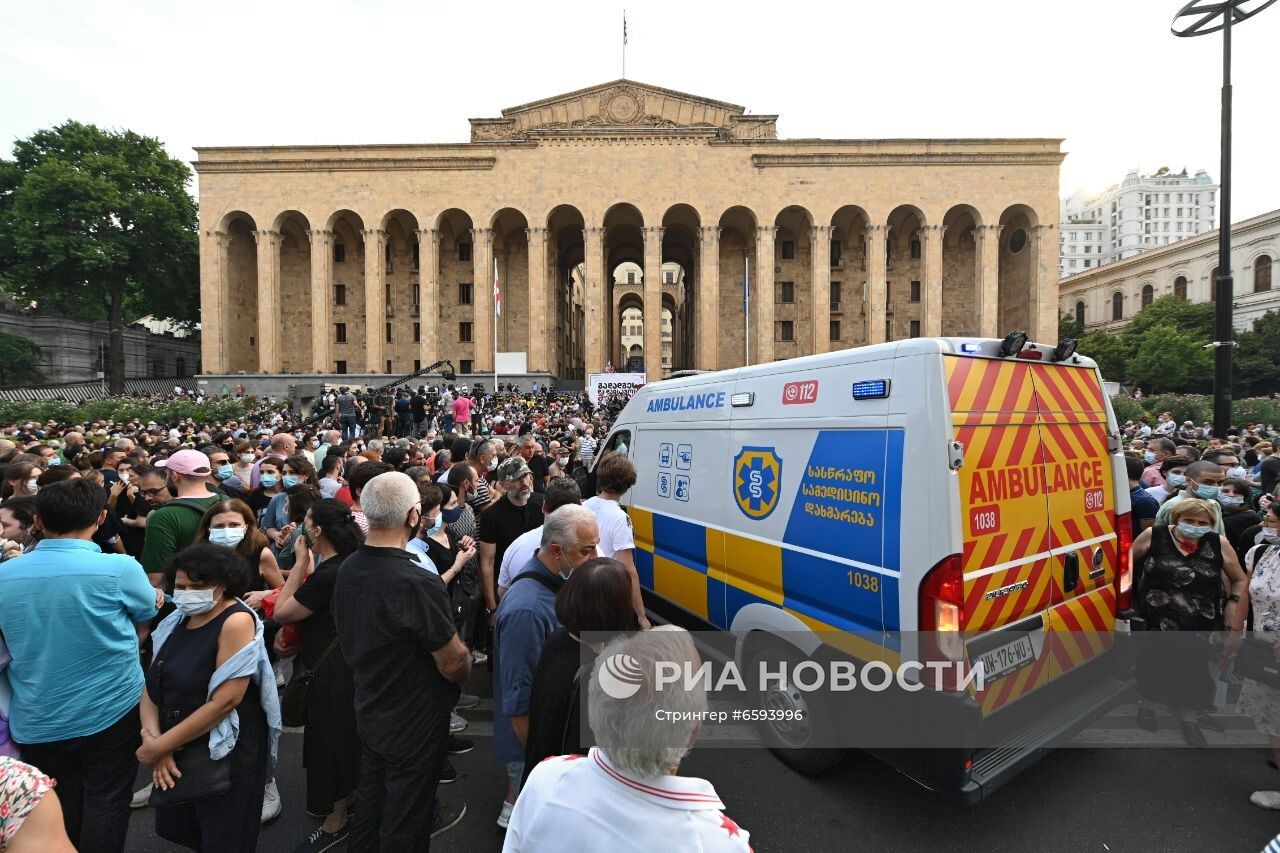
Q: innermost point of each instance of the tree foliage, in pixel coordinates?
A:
(1170, 359)
(124, 410)
(1257, 358)
(1110, 352)
(19, 360)
(99, 223)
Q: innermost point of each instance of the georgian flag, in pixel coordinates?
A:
(497, 292)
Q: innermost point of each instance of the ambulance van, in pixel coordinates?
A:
(898, 496)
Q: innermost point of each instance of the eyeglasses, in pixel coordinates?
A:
(151, 493)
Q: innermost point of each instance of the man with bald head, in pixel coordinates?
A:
(283, 445)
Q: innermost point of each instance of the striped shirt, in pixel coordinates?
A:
(587, 449)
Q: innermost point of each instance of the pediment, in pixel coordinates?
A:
(624, 105)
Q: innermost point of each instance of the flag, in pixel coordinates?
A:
(497, 292)
(624, 27)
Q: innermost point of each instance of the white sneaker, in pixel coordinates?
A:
(457, 723)
(504, 817)
(141, 798)
(1266, 799)
(270, 802)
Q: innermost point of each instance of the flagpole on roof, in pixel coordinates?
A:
(497, 309)
(624, 44)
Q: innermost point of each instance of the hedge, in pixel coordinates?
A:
(1196, 408)
(123, 410)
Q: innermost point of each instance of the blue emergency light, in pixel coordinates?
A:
(871, 389)
(970, 348)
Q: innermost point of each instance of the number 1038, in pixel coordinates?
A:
(862, 580)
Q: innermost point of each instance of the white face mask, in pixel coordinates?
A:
(247, 458)
(33, 486)
(493, 463)
(193, 602)
(228, 536)
(124, 477)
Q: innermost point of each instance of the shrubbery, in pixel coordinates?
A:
(1197, 408)
(122, 410)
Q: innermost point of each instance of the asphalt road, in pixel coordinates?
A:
(1076, 800)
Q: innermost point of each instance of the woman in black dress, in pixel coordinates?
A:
(596, 602)
(1181, 591)
(330, 745)
(178, 712)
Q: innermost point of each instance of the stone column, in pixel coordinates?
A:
(820, 249)
(321, 298)
(987, 254)
(214, 296)
(1044, 304)
(269, 331)
(707, 343)
(428, 295)
(593, 302)
(762, 295)
(877, 297)
(653, 302)
(375, 301)
(931, 237)
(541, 308)
(482, 299)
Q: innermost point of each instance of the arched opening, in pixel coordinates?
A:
(681, 224)
(296, 334)
(792, 283)
(630, 320)
(565, 259)
(669, 334)
(960, 299)
(904, 277)
(511, 251)
(1148, 295)
(1018, 266)
(346, 284)
(1080, 315)
(402, 283)
(738, 329)
(848, 287)
(624, 265)
(1262, 274)
(240, 323)
(1180, 287)
(1117, 306)
(457, 289)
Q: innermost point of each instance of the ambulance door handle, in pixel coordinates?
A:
(1070, 571)
(955, 455)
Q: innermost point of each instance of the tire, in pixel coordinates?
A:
(790, 741)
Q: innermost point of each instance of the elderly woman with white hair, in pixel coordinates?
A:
(625, 794)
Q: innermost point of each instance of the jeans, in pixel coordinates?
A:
(395, 796)
(95, 777)
(348, 427)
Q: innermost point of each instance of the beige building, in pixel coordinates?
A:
(1106, 298)
(378, 258)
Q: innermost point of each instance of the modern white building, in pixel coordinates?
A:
(1106, 298)
(1141, 213)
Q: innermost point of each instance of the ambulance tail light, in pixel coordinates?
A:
(941, 619)
(1124, 571)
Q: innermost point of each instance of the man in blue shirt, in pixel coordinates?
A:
(526, 617)
(68, 613)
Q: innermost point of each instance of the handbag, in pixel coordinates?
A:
(293, 701)
(202, 776)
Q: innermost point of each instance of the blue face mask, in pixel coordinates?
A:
(1193, 531)
(223, 472)
(1207, 492)
(54, 461)
(437, 525)
(451, 515)
(290, 481)
(269, 480)
(1177, 480)
(1149, 457)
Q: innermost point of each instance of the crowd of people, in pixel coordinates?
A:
(173, 596)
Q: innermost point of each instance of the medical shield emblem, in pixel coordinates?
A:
(757, 479)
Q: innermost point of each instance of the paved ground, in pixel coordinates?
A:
(1077, 800)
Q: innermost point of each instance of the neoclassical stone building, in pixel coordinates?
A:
(378, 258)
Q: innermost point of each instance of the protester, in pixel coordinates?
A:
(615, 475)
(396, 632)
(1143, 507)
(174, 526)
(1173, 479)
(67, 613)
(1235, 498)
(357, 478)
(230, 523)
(560, 492)
(1259, 701)
(1203, 481)
(625, 795)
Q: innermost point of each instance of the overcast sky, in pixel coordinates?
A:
(1105, 75)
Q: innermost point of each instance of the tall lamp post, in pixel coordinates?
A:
(1200, 18)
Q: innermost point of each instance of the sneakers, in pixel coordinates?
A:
(1266, 799)
(448, 773)
(270, 802)
(504, 816)
(141, 798)
(456, 723)
(447, 817)
(319, 841)
(466, 701)
(460, 745)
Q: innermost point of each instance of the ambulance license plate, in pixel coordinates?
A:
(1005, 659)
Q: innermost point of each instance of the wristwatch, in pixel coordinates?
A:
(1233, 597)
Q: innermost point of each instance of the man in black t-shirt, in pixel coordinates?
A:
(418, 408)
(396, 631)
(519, 510)
(531, 453)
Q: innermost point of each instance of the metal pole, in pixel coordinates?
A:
(1223, 328)
(746, 309)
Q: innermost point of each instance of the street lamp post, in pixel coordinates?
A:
(1199, 18)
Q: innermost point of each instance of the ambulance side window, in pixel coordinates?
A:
(619, 443)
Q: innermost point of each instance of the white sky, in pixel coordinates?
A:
(1106, 75)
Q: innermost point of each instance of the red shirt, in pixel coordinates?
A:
(462, 410)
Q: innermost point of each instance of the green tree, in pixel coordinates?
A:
(1257, 358)
(99, 223)
(1069, 327)
(1110, 352)
(19, 360)
(1192, 317)
(1170, 359)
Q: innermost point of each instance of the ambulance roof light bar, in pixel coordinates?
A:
(1065, 349)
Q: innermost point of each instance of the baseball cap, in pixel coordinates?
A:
(513, 469)
(189, 463)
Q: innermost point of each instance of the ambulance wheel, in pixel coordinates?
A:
(795, 742)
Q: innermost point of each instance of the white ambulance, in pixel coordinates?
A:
(943, 486)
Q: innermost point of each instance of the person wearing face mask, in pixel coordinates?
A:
(21, 479)
(295, 473)
(242, 459)
(1173, 474)
(17, 517)
(517, 510)
(231, 524)
(222, 479)
(1259, 701)
(269, 486)
(1238, 516)
(524, 620)
(1157, 451)
(210, 687)
(1203, 481)
(1183, 567)
(397, 634)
